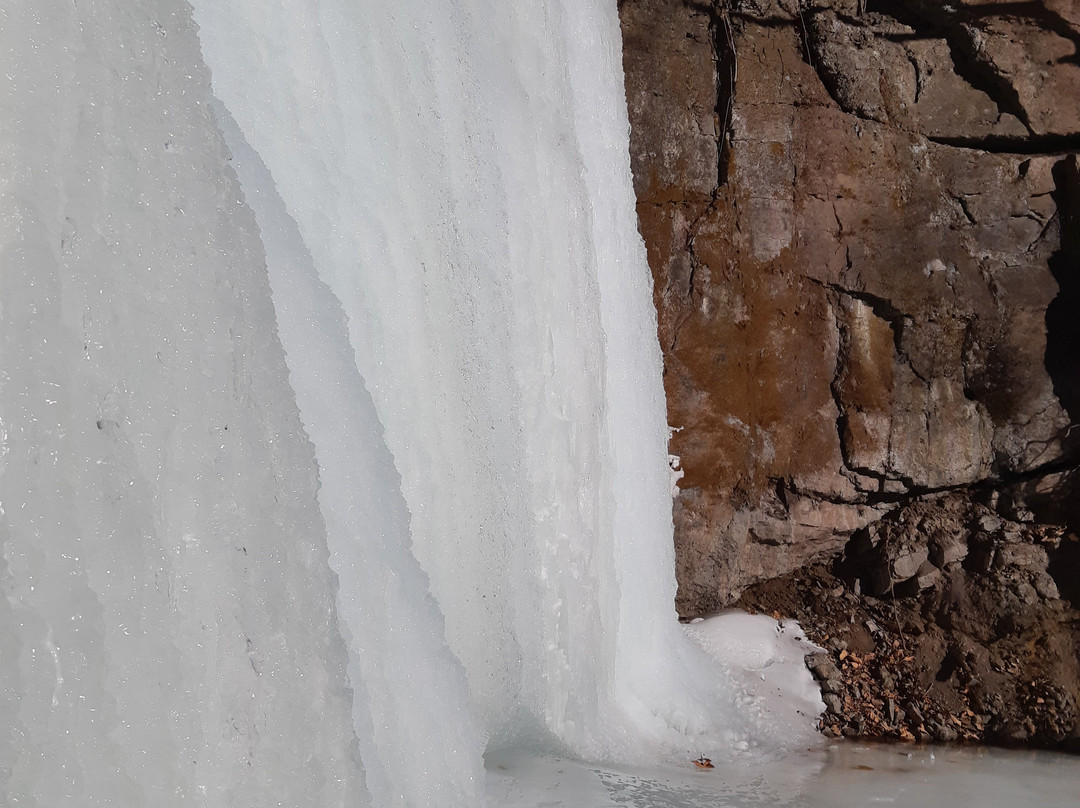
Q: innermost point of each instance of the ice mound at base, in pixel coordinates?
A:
(473, 551)
(766, 660)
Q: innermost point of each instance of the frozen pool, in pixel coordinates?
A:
(839, 775)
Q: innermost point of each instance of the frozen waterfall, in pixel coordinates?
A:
(433, 520)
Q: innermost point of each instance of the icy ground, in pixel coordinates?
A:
(844, 775)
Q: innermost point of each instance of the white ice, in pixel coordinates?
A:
(765, 660)
(473, 221)
(168, 633)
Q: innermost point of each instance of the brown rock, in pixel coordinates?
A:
(863, 221)
(881, 69)
(1037, 63)
(852, 295)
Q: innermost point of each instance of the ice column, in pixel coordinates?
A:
(168, 633)
(458, 174)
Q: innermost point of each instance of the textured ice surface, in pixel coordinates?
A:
(167, 631)
(410, 691)
(458, 180)
(765, 661)
(441, 192)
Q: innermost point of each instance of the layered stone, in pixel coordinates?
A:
(854, 215)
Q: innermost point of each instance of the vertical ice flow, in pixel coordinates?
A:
(413, 692)
(458, 172)
(167, 628)
(441, 193)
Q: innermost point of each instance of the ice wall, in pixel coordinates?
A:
(168, 632)
(440, 192)
(414, 694)
(458, 172)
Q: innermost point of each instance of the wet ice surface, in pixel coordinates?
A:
(839, 775)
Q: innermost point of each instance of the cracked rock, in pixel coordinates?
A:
(853, 227)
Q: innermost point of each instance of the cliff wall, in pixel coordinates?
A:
(863, 220)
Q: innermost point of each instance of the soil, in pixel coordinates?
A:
(986, 652)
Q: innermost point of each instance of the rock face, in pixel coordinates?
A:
(863, 219)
